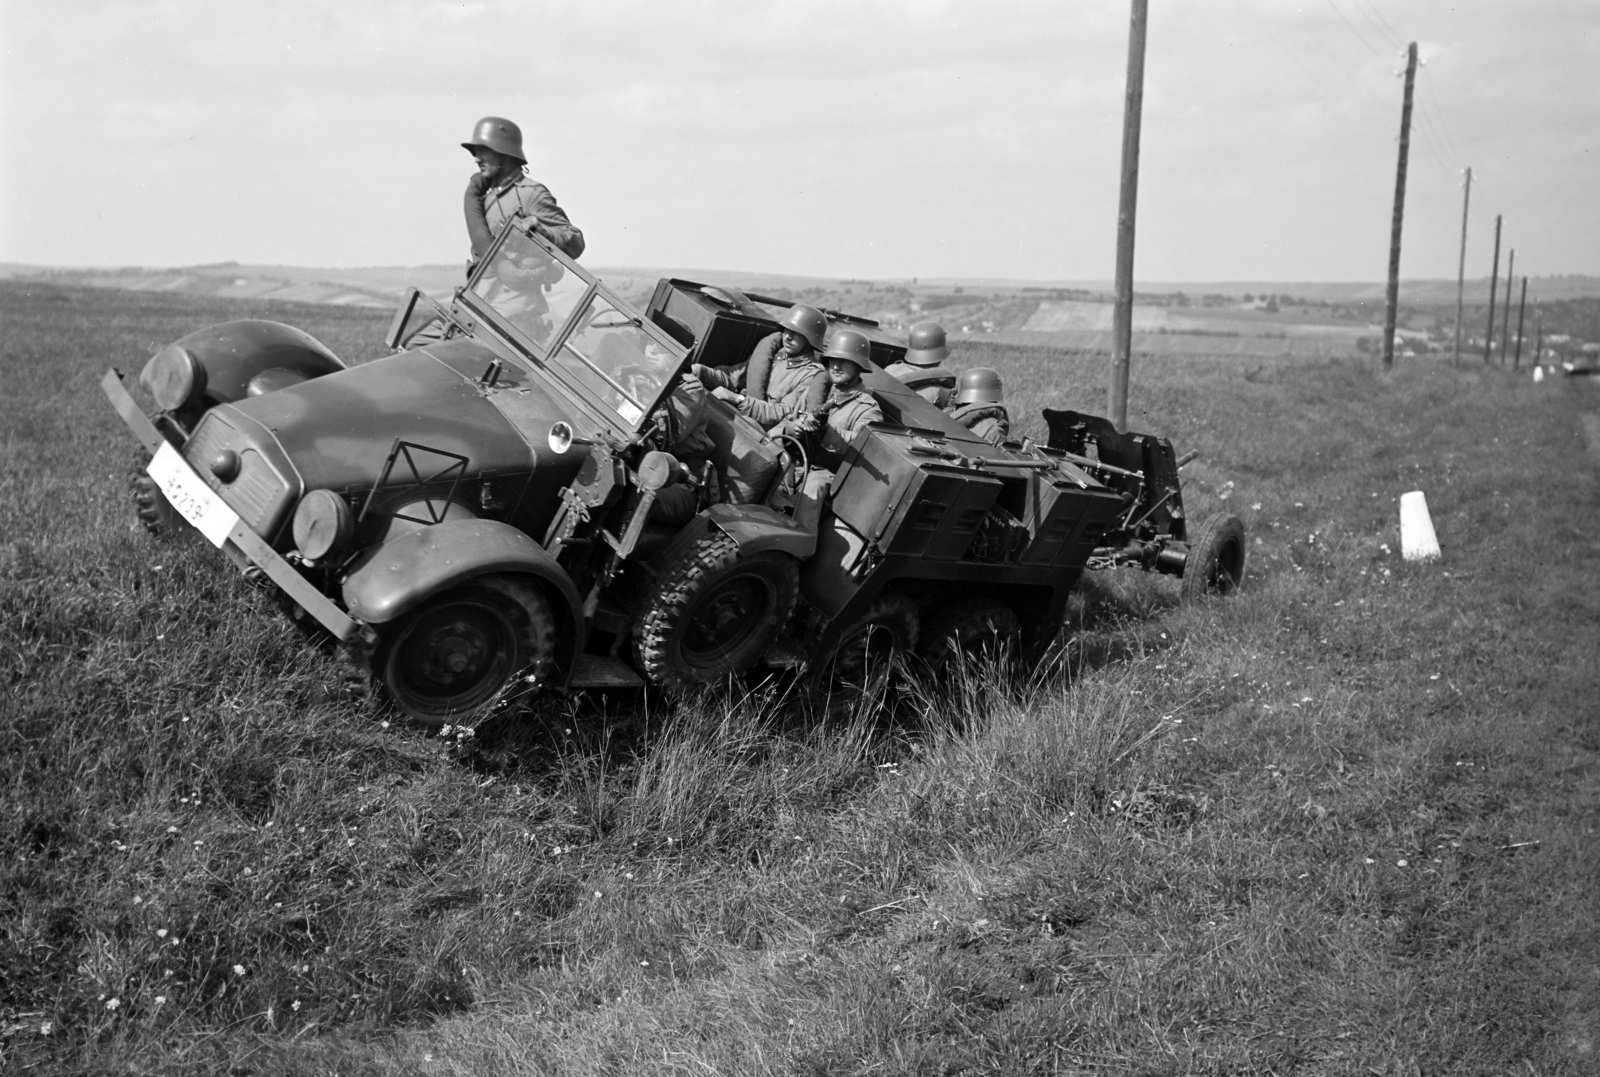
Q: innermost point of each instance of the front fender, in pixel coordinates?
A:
(399, 575)
(247, 358)
(756, 528)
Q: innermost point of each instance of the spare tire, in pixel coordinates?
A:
(1215, 565)
(713, 612)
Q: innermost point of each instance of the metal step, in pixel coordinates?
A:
(604, 671)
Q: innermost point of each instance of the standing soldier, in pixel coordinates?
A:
(977, 405)
(922, 369)
(501, 189)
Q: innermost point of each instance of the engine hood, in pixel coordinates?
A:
(338, 429)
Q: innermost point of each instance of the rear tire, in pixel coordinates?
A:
(978, 629)
(450, 656)
(857, 674)
(1215, 565)
(714, 613)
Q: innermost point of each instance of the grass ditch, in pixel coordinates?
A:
(1343, 822)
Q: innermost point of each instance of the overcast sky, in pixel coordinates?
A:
(852, 139)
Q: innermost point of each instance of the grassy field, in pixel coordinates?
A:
(1342, 823)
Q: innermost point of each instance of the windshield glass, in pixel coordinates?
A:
(529, 288)
(611, 353)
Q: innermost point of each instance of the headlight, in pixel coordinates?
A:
(322, 524)
(174, 377)
(657, 470)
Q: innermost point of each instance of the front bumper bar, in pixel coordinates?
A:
(251, 545)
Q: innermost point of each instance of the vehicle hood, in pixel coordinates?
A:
(339, 429)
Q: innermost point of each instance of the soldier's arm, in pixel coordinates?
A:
(765, 412)
(551, 221)
(758, 368)
(478, 231)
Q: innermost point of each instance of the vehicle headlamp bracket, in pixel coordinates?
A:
(453, 472)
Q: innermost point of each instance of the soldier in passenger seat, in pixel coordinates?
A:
(782, 377)
(977, 405)
(830, 429)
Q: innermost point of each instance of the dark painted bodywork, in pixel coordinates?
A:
(508, 446)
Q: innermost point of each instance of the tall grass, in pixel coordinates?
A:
(1341, 822)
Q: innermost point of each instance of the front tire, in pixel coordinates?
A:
(155, 513)
(1215, 565)
(714, 613)
(453, 654)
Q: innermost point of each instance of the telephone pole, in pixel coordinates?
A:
(1399, 209)
(1494, 276)
(1122, 314)
(1522, 310)
(1461, 270)
(1505, 321)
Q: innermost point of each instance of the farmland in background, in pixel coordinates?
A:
(1343, 822)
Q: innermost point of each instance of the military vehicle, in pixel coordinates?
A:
(479, 513)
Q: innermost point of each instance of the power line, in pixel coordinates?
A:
(1353, 30)
(1428, 77)
(1394, 38)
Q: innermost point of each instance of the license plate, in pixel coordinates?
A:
(189, 494)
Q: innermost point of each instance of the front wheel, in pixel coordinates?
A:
(1215, 565)
(714, 613)
(456, 652)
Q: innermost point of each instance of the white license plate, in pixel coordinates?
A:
(189, 494)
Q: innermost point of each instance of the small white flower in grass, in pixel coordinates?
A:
(1402, 862)
(383, 725)
(47, 1027)
(349, 841)
(113, 1003)
(1371, 861)
(247, 871)
(238, 970)
(137, 899)
(172, 830)
(161, 932)
(175, 940)
(627, 875)
(1255, 506)
(161, 1000)
(598, 894)
(644, 964)
(1433, 677)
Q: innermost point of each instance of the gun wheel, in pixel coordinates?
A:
(1215, 565)
(858, 673)
(449, 657)
(714, 613)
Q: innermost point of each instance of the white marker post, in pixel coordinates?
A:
(1417, 540)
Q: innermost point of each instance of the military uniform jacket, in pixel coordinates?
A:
(989, 421)
(795, 383)
(934, 384)
(848, 414)
(526, 198)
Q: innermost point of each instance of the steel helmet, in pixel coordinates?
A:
(851, 346)
(980, 385)
(926, 345)
(498, 134)
(809, 322)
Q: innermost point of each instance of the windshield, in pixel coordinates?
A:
(609, 354)
(525, 285)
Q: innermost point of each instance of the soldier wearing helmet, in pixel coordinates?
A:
(977, 405)
(923, 367)
(501, 189)
(783, 376)
(832, 427)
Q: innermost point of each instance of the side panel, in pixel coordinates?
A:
(400, 574)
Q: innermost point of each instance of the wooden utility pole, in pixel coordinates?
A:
(1399, 209)
(1461, 270)
(1505, 321)
(1522, 310)
(1538, 343)
(1494, 276)
(1122, 316)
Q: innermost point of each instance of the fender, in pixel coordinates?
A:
(756, 528)
(245, 358)
(399, 575)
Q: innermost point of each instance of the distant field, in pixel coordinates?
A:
(1342, 823)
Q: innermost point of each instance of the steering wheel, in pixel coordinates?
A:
(793, 479)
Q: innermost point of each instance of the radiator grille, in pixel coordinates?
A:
(259, 494)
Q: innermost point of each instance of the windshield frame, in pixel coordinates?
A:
(543, 357)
